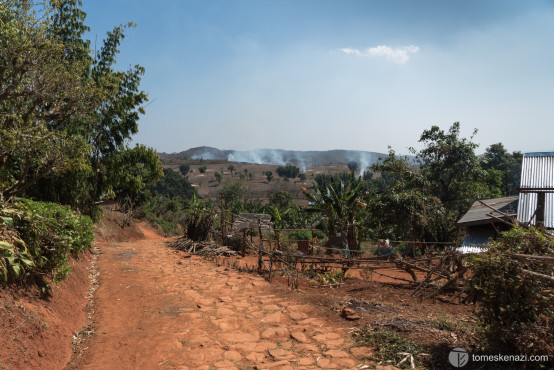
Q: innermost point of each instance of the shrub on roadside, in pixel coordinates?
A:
(47, 234)
(306, 234)
(164, 212)
(517, 311)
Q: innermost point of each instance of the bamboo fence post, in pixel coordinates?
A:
(261, 247)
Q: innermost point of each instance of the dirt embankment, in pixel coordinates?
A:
(37, 333)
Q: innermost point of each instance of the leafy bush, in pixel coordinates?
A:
(517, 311)
(165, 212)
(306, 234)
(48, 234)
(14, 259)
(233, 196)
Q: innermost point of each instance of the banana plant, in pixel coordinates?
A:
(340, 203)
(277, 216)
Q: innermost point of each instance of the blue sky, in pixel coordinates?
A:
(321, 75)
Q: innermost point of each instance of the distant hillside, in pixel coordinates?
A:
(201, 152)
(303, 159)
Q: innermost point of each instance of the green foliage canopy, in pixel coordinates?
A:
(66, 116)
(289, 171)
(38, 87)
(172, 185)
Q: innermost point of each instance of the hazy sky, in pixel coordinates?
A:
(320, 75)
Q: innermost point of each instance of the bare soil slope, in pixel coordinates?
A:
(36, 333)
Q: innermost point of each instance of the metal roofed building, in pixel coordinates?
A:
(536, 191)
(535, 204)
(483, 224)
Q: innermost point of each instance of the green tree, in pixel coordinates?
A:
(269, 176)
(322, 179)
(497, 158)
(289, 171)
(129, 172)
(199, 219)
(233, 196)
(424, 202)
(281, 199)
(453, 172)
(116, 119)
(68, 27)
(218, 177)
(184, 169)
(353, 166)
(64, 115)
(406, 207)
(172, 185)
(38, 86)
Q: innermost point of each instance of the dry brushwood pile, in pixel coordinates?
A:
(206, 248)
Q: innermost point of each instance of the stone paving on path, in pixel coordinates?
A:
(156, 309)
(236, 323)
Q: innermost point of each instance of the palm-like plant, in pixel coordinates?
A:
(199, 219)
(340, 202)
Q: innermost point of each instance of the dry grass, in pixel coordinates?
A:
(258, 186)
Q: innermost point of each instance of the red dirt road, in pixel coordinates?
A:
(156, 309)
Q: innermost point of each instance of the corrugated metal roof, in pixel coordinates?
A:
(477, 239)
(478, 213)
(539, 154)
(537, 172)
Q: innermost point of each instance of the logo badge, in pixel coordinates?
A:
(458, 357)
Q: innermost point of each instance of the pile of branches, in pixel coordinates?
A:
(204, 248)
(450, 274)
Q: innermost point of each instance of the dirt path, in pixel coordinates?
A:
(156, 309)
